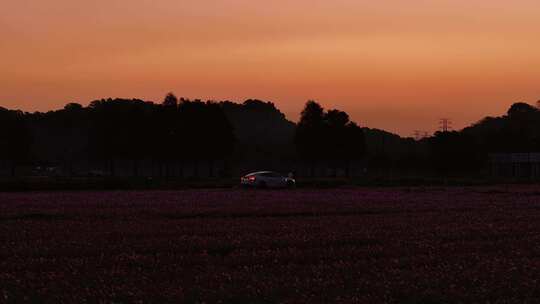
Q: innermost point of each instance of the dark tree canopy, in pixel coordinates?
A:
(520, 109)
(182, 131)
(454, 152)
(263, 132)
(328, 135)
(14, 137)
(309, 131)
(170, 100)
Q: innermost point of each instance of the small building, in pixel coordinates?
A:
(515, 165)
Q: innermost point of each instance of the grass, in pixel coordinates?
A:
(339, 245)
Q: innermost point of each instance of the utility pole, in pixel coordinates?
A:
(445, 124)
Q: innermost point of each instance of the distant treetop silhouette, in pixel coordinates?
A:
(179, 132)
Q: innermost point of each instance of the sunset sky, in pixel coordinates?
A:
(398, 65)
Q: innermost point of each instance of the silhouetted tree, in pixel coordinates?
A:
(170, 100)
(14, 138)
(454, 152)
(355, 146)
(518, 131)
(263, 133)
(73, 107)
(328, 136)
(521, 109)
(344, 139)
(120, 130)
(206, 133)
(308, 133)
(168, 136)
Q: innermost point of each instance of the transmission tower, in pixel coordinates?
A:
(419, 134)
(445, 124)
(416, 135)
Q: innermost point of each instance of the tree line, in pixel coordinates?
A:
(174, 131)
(183, 131)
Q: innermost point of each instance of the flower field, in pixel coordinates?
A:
(349, 245)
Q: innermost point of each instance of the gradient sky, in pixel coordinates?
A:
(398, 65)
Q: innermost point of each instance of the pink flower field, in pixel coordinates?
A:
(345, 245)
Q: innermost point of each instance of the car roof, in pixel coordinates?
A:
(260, 172)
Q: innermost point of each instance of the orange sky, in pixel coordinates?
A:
(398, 65)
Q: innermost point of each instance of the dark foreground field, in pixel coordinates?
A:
(396, 245)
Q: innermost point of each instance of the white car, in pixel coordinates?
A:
(267, 179)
